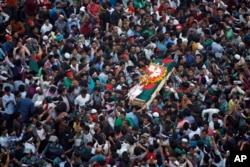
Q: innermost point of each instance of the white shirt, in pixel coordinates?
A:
(192, 133)
(41, 134)
(211, 124)
(45, 28)
(81, 101)
(38, 97)
(174, 4)
(8, 106)
(105, 148)
(30, 147)
(111, 122)
(3, 141)
(87, 138)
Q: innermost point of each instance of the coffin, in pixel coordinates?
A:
(150, 86)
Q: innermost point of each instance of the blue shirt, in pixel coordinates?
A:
(26, 108)
(53, 11)
(97, 158)
(134, 118)
(8, 105)
(8, 46)
(162, 47)
(169, 40)
(190, 59)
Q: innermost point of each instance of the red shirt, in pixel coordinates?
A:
(31, 7)
(94, 9)
(150, 155)
(131, 9)
(86, 30)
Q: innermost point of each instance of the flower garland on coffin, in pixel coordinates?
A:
(153, 73)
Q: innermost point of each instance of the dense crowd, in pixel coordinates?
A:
(66, 68)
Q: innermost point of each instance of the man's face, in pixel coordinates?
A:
(9, 27)
(122, 116)
(47, 22)
(58, 6)
(155, 102)
(75, 4)
(83, 95)
(197, 59)
(132, 49)
(166, 5)
(203, 134)
(52, 60)
(181, 68)
(118, 7)
(215, 119)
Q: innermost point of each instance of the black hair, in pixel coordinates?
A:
(21, 88)
(7, 89)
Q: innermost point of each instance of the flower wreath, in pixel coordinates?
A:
(154, 74)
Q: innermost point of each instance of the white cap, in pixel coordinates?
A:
(28, 39)
(61, 16)
(241, 44)
(81, 35)
(93, 111)
(237, 56)
(38, 103)
(184, 140)
(82, 9)
(45, 37)
(156, 114)
(38, 88)
(67, 55)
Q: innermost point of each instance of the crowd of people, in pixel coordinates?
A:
(66, 68)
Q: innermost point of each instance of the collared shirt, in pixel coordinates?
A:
(11, 140)
(9, 107)
(61, 26)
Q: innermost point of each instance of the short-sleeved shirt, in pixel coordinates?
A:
(81, 101)
(94, 9)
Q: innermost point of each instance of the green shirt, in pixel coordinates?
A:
(67, 82)
(141, 4)
(44, 164)
(118, 121)
(148, 32)
(27, 161)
